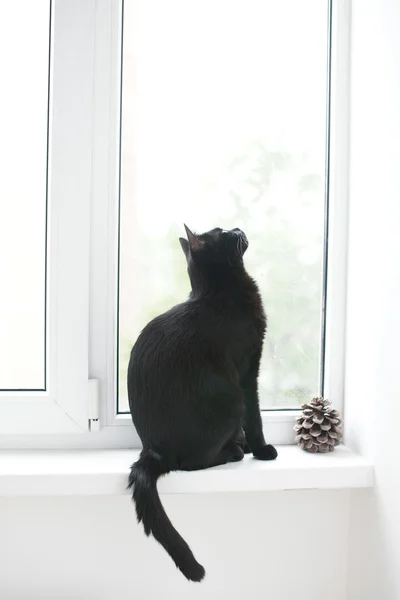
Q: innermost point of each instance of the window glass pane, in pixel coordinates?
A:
(24, 60)
(223, 124)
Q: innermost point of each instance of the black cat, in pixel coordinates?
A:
(192, 381)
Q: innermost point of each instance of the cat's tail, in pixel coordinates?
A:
(149, 510)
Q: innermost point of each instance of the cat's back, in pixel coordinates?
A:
(214, 330)
(169, 359)
(168, 341)
(168, 328)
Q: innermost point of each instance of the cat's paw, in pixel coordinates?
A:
(266, 452)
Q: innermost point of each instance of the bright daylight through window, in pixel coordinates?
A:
(24, 48)
(224, 124)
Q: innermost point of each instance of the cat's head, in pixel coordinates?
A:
(215, 248)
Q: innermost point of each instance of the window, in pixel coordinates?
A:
(145, 114)
(47, 57)
(23, 123)
(224, 112)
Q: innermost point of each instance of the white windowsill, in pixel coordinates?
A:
(104, 472)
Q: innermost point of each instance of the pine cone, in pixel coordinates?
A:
(318, 428)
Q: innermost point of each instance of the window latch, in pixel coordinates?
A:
(94, 405)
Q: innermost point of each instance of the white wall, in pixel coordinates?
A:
(373, 332)
(276, 545)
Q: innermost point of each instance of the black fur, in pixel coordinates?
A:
(192, 381)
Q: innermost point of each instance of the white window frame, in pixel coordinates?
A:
(62, 408)
(84, 266)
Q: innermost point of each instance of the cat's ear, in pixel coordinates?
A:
(185, 246)
(194, 243)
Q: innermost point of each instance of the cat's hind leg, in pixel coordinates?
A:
(230, 452)
(216, 431)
